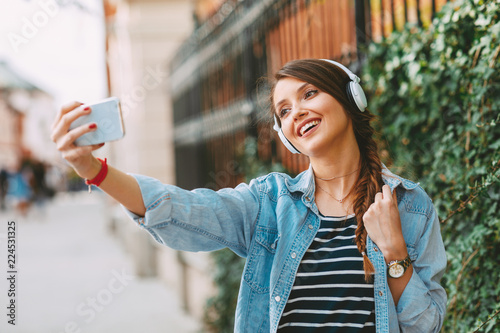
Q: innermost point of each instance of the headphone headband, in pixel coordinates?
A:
(352, 76)
(354, 90)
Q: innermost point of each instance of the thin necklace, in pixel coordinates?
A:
(338, 200)
(335, 177)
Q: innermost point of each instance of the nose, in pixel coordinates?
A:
(298, 113)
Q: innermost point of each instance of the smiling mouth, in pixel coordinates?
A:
(307, 127)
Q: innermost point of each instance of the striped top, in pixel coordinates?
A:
(330, 293)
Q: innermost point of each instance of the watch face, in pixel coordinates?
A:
(396, 270)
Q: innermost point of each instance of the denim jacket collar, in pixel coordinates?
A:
(304, 182)
(394, 180)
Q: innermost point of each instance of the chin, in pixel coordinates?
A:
(311, 152)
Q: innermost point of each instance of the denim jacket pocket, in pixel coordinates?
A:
(261, 258)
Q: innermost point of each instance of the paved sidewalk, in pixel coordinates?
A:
(74, 276)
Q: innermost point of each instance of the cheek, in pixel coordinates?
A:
(340, 119)
(287, 128)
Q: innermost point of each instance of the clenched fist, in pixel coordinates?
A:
(383, 225)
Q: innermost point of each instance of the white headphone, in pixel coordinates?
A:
(354, 92)
(283, 138)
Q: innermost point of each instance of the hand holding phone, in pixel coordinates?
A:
(108, 117)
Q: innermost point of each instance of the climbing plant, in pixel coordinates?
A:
(436, 92)
(228, 267)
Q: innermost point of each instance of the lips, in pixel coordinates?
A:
(307, 125)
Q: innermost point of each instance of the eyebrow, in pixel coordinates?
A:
(299, 89)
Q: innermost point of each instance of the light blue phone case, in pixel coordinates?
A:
(107, 115)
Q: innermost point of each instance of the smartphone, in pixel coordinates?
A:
(107, 115)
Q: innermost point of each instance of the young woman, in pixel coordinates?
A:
(345, 246)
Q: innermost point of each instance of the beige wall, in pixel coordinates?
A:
(142, 37)
(39, 116)
(9, 145)
(25, 125)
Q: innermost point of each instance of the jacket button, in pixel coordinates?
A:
(294, 255)
(277, 298)
(310, 226)
(380, 293)
(375, 249)
(307, 199)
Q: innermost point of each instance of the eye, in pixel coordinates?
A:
(310, 93)
(283, 112)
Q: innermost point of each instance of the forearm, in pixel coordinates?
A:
(121, 187)
(398, 285)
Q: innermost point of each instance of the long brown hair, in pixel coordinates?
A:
(333, 80)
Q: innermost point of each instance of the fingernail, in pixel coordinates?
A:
(87, 108)
(92, 125)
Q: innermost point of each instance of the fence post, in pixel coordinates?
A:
(419, 18)
(363, 26)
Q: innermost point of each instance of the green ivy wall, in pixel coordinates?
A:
(437, 95)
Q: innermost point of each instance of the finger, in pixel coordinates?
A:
(72, 155)
(62, 126)
(62, 115)
(367, 216)
(378, 197)
(395, 196)
(370, 214)
(95, 147)
(386, 190)
(65, 109)
(69, 138)
(70, 106)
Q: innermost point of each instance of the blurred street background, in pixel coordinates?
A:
(73, 275)
(189, 75)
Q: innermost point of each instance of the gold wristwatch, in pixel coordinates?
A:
(397, 268)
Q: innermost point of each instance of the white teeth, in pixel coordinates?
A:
(308, 125)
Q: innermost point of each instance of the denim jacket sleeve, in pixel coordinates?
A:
(422, 305)
(199, 220)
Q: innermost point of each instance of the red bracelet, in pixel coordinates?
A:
(97, 180)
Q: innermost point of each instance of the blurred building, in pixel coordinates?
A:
(26, 114)
(141, 38)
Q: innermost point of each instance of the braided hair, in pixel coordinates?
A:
(333, 80)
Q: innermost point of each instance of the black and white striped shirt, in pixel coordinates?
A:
(330, 293)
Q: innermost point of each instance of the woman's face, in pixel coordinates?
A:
(312, 120)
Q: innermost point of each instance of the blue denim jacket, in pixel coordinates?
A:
(272, 221)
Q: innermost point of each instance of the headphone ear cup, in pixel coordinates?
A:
(358, 95)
